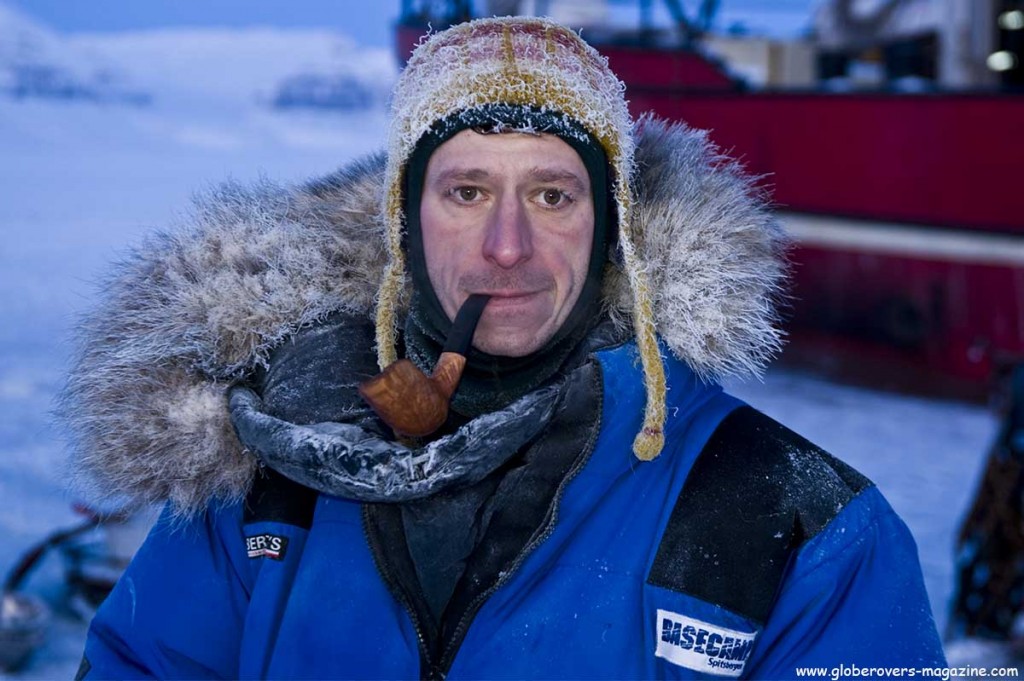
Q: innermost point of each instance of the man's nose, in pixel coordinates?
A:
(508, 240)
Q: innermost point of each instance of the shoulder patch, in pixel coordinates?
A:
(701, 646)
(266, 545)
(756, 493)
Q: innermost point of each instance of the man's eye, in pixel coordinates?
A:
(554, 197)
(467, 193)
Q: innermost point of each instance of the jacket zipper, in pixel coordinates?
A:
(452, 648)
(399, 593)
(438, 672)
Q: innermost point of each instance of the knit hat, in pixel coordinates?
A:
(527, 63)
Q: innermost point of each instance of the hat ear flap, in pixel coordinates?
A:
(393, 280)
(649, 442)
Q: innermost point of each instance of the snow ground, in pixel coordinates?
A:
(81, 181)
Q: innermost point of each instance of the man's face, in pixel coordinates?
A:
(509, 215)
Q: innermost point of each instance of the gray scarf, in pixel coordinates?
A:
(304, 419)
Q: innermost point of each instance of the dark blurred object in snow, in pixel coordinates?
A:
(325, 91)
(989, 589)
(53, 82)
(38, 62)
(24, 620)
(96, 551)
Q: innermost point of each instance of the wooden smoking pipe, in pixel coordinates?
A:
(411, 402)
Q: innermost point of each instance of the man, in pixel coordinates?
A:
(594, 505)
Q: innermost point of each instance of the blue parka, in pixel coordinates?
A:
(220, 598)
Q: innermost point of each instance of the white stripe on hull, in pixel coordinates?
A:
(900, 240)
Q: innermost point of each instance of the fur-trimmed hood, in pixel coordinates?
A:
(192, 310)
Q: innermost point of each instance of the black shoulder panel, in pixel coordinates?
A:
(756, 492)
(275, 498)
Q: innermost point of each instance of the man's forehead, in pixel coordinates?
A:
(485, 137)
(474, 155)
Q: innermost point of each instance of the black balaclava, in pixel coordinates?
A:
(490, 381)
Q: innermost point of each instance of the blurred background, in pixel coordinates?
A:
(887, 133)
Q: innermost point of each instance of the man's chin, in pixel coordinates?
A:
(509, 344)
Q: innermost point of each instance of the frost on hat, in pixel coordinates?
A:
(526, 62)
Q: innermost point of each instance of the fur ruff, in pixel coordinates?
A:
(194, 309)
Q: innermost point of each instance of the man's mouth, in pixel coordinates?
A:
(502, 298)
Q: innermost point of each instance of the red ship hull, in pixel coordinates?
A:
(940, 312)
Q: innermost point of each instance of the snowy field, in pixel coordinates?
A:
(80, 181)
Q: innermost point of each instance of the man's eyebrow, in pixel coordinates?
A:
(559, 176)
(461, 175)
(537, 174)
